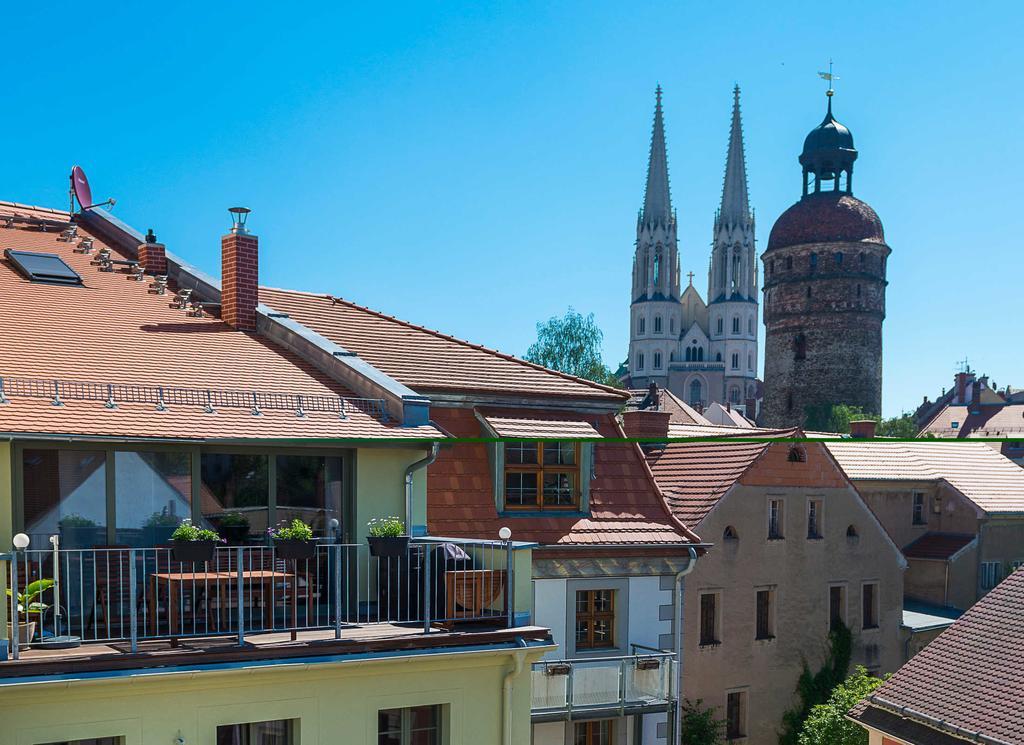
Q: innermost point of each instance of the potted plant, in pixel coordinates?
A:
(29, 605)
(387, 537)
(234, 526)
(192, 543)
(293, 540)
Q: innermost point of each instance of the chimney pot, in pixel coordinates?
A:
(239, 274)
(863, 429)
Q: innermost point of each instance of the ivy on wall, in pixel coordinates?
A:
(815, 688)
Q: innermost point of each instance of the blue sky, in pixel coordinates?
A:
(478, 167)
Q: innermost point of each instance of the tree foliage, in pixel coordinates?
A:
(837, 417)
(815, 688)
(571, 344)
(902, 426)
(827, 723)
(699, 725)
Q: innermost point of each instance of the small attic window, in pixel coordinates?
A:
(851, 532)
(730, 534)
(797, 455)
(40, 267)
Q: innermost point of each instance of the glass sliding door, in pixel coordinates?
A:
(309, 488)
(65, 493)
(153, 495)
(235, 484)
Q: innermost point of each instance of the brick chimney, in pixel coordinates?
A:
(153, 255)
(863, 429)
(239, 274)
(646, 424)
(963, 380)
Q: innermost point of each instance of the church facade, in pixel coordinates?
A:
(702, 351)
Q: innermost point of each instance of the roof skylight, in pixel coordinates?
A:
(40, 267)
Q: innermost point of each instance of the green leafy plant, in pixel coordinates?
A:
(187, 531)
(28, 601)
(827, 723)
(699, 725)
(572, 345)
(74, 520)
(386, 527)
(296, 530)
(233, 520)
(162, 519)
(815, 688)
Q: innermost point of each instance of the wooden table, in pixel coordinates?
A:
(225, 584)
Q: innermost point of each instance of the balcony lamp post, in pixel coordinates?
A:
(21, 542)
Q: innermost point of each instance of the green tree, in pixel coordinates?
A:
(815, 688)
(571, 344)
(827, 723)
(699, 726)
(901, 426)
(834, 418)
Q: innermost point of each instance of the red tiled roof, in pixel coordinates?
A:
(541, 429)
(987, 420)
(826, 217)
(970, 678)
(113, 330)
(426, 360)
(987, 478)
(937, 545)
(625, 505)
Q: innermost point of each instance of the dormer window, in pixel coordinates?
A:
(542, 475)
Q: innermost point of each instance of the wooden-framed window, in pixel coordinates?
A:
(814, 519)
(765, 603)
(776, 515)
(869, 605)
(709, 619)
(919, 514)
(735, 715)
(542, 475)
(595, 732)
(836, 606)
(595, 619)
(414, 725)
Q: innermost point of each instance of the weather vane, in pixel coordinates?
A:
(829, 77)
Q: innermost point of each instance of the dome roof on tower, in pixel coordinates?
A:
(826, 217)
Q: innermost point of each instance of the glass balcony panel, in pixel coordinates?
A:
(595, 683)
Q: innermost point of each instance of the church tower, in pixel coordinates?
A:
(732, 277)
(655, 310)
(824, 291)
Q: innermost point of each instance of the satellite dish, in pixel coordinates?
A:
(80, 187)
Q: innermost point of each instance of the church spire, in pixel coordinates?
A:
(657, 202)
(735, 207)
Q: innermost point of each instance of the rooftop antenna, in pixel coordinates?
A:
(963, 366)
(81, 191)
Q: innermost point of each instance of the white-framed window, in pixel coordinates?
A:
(657, 360)
(814, 519)
(657, 324)
(919, 514)
(869, 605)
(414, 725)
(991, 573)
(735, 715)
(776, 516)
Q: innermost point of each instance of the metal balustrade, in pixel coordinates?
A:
(130, 595)
(616, 686)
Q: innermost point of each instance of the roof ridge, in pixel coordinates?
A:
(335, 300)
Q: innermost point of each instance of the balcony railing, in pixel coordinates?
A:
(568, 689)
(128, 595)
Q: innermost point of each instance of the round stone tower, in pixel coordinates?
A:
(824, 291)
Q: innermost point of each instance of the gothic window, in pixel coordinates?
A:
(640, 361)
(641, 325)
(789, 262)
(689, 354)
(718, 357)
(734, 394)
(735, 324)
(696, 394)
(700, 354)
(657, 360)
(657, 324)
(800, 347)
(735, 361)
(839, 258)
(814, 261)
(720, 322)
(671, 356)
(657, 269)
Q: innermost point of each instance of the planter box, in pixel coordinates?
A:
(295, 550)
(389, 546)
(26, 632)
(193, 551)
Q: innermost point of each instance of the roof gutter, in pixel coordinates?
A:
(345, 367)
(908, 713)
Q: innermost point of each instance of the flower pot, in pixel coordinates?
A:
(291, 549)
(194, 551)
(26, 632)
(390, 546)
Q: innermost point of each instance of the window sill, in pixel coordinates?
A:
(568, 512)
(876, 627)
(710, 645)
(764, 639)
(815, 537)
(776, 538)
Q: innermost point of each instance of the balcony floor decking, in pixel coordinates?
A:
(379, 638)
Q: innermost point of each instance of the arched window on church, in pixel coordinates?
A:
(700, 354)
(641, 325)
(657, 324)
(657, 360)
(718, 357)
(734, 394)
(640, 361)
(696, 394)
(657, 269)
(689, 354)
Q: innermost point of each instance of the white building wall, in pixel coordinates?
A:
(549, 609)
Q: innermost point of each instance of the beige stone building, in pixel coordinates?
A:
(955, 508)
(795, 549)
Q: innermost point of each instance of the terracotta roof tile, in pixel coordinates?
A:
(987, 478)
(113, 330)
(987, 420)
(423, 359)
(971, 677)
(937, 545)
(540, 429)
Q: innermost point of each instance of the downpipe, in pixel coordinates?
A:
(409, 471)
(506, 691)
(677, 629)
